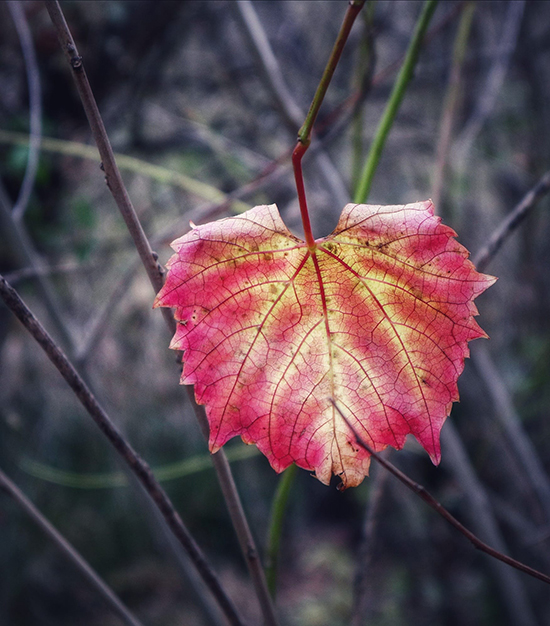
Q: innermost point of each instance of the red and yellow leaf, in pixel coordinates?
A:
(377, 318)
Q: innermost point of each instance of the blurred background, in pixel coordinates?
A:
(204, 100)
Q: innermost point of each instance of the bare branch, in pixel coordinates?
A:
(155, 273)
(439, 508)
(509, 225)
(489, 92)
(136, 464)
(68, 550)
(35, 106)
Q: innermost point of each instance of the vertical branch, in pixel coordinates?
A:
(68, 550)
(394, 102)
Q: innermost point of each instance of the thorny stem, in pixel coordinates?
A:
(439, 508)
(403, 79)
(304, 134)
(138, 466)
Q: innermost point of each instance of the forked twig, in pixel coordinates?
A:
(138, 466)
(11, 489)
(438, 507)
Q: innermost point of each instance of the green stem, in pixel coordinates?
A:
(304, 134)
(278, 510)
(401, 83)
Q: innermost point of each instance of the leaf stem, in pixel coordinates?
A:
(439, 508)
(304, 134)
(401, 83)
(278, 510)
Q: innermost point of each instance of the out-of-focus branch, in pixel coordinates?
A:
(363, 582)
(290, 110)
(9, 487)
(394, 102)
(136, 464)
(511, 222)
(451, 101)
(489, 92)
(25, 254)
(483, 520)
(35, 106)
(510, 422)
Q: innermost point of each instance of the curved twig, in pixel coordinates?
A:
(439, 508)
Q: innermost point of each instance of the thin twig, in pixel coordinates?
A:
(155, 273)
(112, 173)
(439, 508)
(136, 464)
(35, 106)
(9, 487)
(489, 92)
(509, 225)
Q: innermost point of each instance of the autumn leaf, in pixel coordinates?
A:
(377, 317)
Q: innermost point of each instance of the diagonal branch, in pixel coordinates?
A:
(138, 466)
(155, 273)
(439, 508)
(68, 550)
(512, 221)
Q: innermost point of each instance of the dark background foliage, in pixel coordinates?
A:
(179, 86)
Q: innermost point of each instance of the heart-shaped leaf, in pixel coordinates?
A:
(376, 317)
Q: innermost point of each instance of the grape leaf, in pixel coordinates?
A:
(377, 317)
